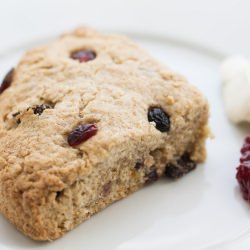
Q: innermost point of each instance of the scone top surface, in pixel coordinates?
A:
(114, 90)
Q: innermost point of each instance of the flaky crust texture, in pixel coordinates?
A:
(40, 174)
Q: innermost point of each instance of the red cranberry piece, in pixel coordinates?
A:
(81, 134)
(247, 139)
(243, 171)
(83, 55)
(243, 178)
(161, 119)
(7, 81)
(245, 148)
(245, 157)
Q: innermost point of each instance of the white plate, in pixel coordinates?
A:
(203, 210)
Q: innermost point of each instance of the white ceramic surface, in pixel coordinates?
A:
(203, 210)
(218, 24)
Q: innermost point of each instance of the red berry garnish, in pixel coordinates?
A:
(247, 139)
(7, 81)
(81, 134)
(243, 171)
(246, 145)
(83, 55)
(245, 157)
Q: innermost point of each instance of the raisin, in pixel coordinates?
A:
(38, 110)
(59, 195)
(151, 176)
(81, 134)
(7, 80)
(181, 167)
(83, 55)
(161, 119)
(138, 165)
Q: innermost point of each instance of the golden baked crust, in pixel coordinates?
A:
(48, 187)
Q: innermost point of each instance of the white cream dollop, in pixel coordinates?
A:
(235, 75)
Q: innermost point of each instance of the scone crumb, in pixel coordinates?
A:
(83, 32)
(166, 75)
(169, 100)
(178, 84)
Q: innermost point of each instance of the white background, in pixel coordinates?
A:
(219, 24)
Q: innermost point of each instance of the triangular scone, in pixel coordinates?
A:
(87, 120)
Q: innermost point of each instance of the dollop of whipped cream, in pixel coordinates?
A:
(235, 75)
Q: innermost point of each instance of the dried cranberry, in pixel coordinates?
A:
(181, 167)
(161, 119)
(81, 134)
(151, 176)
(38, 110)
(245, 157)
(246, 145)
(83, 55)
(247, 139)
(243, 178)
(243, 171)
(7, 80)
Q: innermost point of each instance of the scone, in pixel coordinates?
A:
(87, 120)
